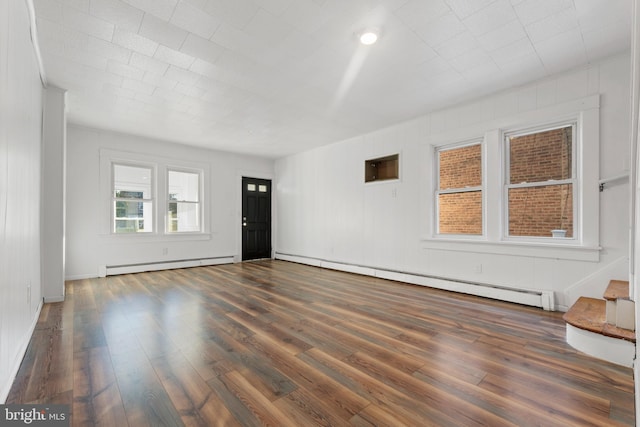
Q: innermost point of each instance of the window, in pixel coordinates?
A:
(183, 201)
(541, 182)
(132, 200)
(459, 189)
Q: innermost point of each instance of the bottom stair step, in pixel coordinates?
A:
(590, 314)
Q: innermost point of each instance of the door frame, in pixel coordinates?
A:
(238, 220)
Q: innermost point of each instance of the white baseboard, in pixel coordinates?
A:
(536, 298)
(22, 351)
(111, 270)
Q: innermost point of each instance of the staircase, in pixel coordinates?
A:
(604, 328)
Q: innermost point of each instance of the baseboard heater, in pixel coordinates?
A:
(112, 270)
(535, 298)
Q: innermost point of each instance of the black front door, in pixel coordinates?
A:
(256, 218)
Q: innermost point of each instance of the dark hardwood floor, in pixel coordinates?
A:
(282, 344)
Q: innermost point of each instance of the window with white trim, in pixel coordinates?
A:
(459, 189)
(540, 182)
(132, 198)
(183, 201)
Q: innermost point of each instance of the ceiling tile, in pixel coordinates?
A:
(457, 45)
(606, 41)
(594, 14)
(472, 59)
(552, 25)
(232, 38)
(134, 42)
(138, 86)
(276, 7)
(305, 15)
(416, 13)
(236, 12)
(183, 76)
(502, 36)
(146, 63)
(487, 19)
(108, 50)
(173, 57)
(159, 80)
(562, 52)
(271, 29)
(434, 67)
(195, 20)
(530, 11)
(124, 70)
(87, 24)
(464, 8)
(200, 48)
(162, 32)
(118, 13)
(162, 9)
(441, 30)
(188, 90)
(512, 51)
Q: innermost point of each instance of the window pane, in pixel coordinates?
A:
(535, 211)
(133, 217)
(460, 213)
(184, 186)
(251, 187)
(262, 188)
(184, 217)
(461, 167)
(131, 182)
(541, 156)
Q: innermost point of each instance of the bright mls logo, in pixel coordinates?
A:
(34, 415)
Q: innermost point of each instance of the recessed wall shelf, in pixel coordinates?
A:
(381, 169)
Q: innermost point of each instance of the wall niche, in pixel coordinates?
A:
(381, 168)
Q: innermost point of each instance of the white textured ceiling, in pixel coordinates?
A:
(275, 77)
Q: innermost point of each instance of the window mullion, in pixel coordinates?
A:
(541, 183)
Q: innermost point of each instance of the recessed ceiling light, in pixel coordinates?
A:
(368, 37)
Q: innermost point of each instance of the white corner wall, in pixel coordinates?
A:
(326, 212)
(89, 245)
(53, 195)
(20, 154)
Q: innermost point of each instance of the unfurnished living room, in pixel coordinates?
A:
(319, 212)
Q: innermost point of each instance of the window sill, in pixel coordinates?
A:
(566, 250)
(157, 237)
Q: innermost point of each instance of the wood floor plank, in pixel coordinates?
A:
(278, 343)
(96, 397)
(194, 400)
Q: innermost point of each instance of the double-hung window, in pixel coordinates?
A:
(183, 201)
(132, 199)
(541, 185)
(459, 190)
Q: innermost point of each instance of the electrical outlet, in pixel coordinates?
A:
(29, 293)
(165, 251)
(478, 268)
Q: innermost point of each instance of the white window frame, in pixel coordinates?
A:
(160, 166)
(115, 199)
(585, 246)
(576, 203)
(197, 172)
(438, 191)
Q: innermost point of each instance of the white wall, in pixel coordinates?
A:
(20, 148)
(90, 246)
(53, 195)
(327, 212)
